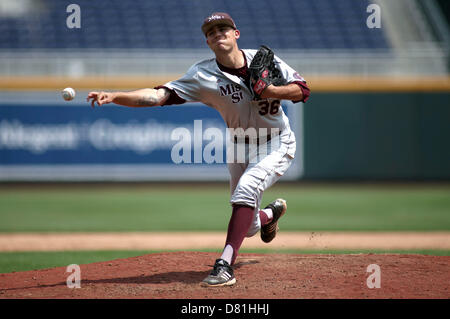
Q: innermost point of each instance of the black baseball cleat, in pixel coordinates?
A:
(221, 275)
(269, 231)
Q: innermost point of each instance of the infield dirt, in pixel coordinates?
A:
(208, 240)
(178, 275)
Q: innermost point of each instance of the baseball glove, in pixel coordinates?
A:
(264, 72)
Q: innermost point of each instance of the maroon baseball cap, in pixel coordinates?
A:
(217, 18)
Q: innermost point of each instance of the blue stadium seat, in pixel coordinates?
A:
(282, 24)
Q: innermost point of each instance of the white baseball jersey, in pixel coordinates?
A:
(205, 82)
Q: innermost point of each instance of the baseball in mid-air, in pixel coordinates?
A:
(68, 94)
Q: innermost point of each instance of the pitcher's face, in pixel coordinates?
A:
(222, 38)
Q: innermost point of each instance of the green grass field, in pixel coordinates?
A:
(206, 208)
(199, 207)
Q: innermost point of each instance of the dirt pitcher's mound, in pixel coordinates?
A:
(178, 275)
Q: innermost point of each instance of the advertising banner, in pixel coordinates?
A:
(48, 140)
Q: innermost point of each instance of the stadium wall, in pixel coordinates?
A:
(385, 135)
(351, 128)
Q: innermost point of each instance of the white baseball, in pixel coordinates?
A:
(68, 94)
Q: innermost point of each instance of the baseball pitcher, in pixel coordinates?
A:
(246, 87)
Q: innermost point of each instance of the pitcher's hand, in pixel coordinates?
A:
(100, 97)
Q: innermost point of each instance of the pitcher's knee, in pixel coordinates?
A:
(245, 195)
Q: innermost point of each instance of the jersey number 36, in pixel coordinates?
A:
(267, 107)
